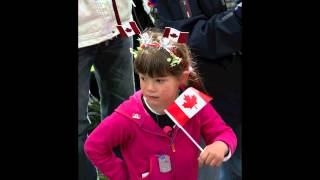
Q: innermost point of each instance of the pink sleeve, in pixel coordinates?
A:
(111, 132)
(213, 128)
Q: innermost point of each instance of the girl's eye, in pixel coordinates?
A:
(142, 78)
(160, 80)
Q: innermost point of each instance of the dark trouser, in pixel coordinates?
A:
(86, 170)
(223, 80)
(114, 74)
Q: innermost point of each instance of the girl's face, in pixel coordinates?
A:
(159, 92)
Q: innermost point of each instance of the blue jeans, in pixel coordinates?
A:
(113, 65)
(232, 169)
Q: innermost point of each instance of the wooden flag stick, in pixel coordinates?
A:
(174, 120)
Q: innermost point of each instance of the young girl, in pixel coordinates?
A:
(151, 146)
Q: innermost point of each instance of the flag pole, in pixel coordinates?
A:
(174, 120)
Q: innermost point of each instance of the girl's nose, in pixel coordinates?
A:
(150, 86)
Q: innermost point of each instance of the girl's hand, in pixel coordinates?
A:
(213, 154)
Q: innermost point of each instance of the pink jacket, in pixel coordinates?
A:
(141, 140)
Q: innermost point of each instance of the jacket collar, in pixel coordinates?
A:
(134, 110)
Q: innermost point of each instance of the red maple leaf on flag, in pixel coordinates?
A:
(128, 29)
(173, 35)
(190, 101)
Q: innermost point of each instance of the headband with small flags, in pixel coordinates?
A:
(175, 35)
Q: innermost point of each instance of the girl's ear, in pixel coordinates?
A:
(184, 77)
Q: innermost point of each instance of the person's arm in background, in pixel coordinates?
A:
(218, 36)
(211, 35)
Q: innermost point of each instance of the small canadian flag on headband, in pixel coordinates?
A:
(175, 35)
(189, 103)
(128, 29)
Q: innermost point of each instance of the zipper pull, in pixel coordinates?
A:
(173, 147)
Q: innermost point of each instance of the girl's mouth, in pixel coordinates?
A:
(152, 97)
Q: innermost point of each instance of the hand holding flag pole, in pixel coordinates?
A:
(190, 102)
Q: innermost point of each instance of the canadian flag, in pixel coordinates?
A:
(189, 103)
(128, 29)
(175, 35)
